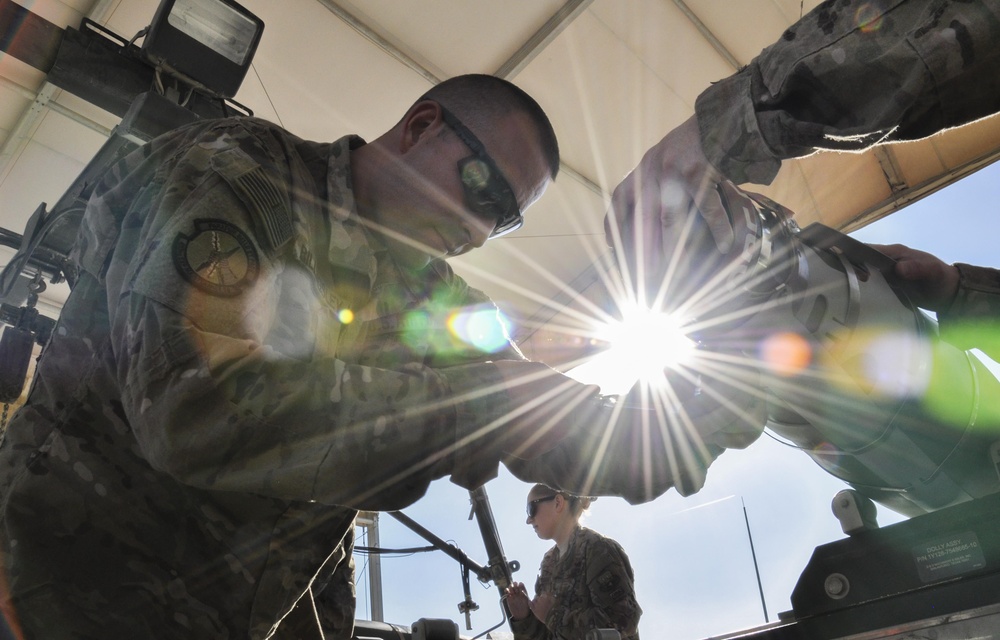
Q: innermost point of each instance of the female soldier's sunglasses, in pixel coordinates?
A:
(533, 504)
(487, 192)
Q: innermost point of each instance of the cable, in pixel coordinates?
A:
(409, 551)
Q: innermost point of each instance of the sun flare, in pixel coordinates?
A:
(640, 347)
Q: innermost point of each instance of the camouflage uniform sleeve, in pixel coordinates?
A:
(218, 405)
(851, 74)
(970, 322)
(480, 462)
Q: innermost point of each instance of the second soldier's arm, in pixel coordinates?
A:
(846, 76)
(850, 75)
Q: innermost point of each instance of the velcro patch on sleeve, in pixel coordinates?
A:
(267, 203)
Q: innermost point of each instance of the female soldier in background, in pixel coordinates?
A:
(585, 581)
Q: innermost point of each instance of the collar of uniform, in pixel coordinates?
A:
(349, 245)
(339, 189)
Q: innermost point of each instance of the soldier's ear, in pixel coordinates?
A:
(423, 120)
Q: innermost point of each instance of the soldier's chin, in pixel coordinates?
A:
(409, 256)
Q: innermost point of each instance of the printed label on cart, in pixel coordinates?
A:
(948, 557)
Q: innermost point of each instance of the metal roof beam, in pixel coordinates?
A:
(708, 34)
(541, 38)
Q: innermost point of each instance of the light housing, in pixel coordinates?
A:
(211, 42)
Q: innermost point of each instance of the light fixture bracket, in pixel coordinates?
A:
(209, 43)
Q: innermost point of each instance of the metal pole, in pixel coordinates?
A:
(483, 573)
(369, 520)
(760, 586)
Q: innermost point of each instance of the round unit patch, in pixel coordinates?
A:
(218, 258)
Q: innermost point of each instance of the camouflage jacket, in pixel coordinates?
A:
(593, 586)
(850, 74)
(970, 322)
(238, 356)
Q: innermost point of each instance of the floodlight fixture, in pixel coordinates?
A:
(209, 42)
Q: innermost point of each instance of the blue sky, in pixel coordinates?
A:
(694, 570)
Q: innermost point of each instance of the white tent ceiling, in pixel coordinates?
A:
(613, 75)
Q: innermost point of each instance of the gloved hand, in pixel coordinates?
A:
(641, 445)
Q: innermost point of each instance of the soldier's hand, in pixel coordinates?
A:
(651, 211)
(641, 445)
(517, 601)
(929, 282)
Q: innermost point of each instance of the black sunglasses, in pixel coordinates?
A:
(487, 192)
(533, 504)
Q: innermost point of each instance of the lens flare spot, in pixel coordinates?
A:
(897, 364)
(825, 449)
(483, 328)
(868, 18)
(786, 354)
(346, 316)
(416, 323)
(827, 455)
(959, 383)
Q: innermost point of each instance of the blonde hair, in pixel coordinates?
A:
(577, 504)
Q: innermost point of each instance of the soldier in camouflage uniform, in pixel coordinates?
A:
(585, 581)
(255, 348)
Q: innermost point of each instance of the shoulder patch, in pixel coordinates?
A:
(218, 258)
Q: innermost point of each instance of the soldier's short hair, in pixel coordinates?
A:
(479, 100)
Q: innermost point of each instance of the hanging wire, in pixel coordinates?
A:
(400, 552)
